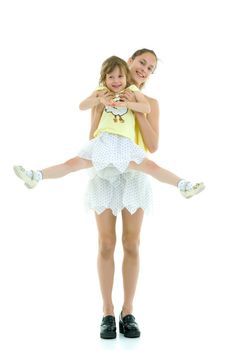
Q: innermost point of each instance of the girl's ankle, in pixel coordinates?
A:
(126, 311)
(108, 311)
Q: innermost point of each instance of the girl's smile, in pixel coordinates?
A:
(116, 80)
(142, 66)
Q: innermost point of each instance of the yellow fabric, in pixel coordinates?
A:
(120, 121)
(138, 137)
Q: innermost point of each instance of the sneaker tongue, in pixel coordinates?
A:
(188, 186)
(184, 185)
(29, 173)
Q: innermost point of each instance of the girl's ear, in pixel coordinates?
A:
(130, 60)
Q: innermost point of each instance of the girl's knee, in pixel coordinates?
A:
(149, 162)
(131, 246)
(78, 163)
(72, 163)
(107, 246)
(149, 165)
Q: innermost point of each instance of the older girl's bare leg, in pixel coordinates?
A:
(130, 268)
(106, 223)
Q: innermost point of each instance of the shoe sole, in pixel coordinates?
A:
(199, 191)
(23, 177)
(194, 194)
(109, 336)
(128, 334)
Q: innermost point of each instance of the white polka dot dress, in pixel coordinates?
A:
(111, 185)
(130, 190)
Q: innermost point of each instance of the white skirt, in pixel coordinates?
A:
(112, 185)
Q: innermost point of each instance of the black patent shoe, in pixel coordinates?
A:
(108, 327)
(128, 326)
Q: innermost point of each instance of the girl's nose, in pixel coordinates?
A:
(143, 69)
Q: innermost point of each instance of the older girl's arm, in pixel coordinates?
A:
(96, 113)
(90, 102)
(140, 104)
(149, 125)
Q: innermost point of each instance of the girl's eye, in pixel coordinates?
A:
(142, 62)
(150, 69)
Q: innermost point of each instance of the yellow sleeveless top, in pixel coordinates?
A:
(120, 121)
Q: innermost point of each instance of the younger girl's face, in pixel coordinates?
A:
(116, 80)
(142, 67)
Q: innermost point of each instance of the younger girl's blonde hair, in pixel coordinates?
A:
(110, 64)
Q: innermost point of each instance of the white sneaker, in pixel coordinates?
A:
(29, 182)
(189, 192)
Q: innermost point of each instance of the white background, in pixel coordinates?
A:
(51, 52)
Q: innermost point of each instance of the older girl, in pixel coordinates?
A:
(119, 140)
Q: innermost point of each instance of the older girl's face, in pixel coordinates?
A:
(142, 67)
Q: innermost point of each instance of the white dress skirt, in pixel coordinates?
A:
(112, 185)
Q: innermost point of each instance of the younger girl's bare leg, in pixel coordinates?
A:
(149, 167)
(187, 189)
(32, 177)
(63, 169)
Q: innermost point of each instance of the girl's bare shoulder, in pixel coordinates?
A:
(151, 100)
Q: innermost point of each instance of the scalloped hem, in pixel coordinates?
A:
(112, 151)
(115, 212)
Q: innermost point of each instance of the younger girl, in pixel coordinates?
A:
(117, 145)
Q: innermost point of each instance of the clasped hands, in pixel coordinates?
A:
(106, 97)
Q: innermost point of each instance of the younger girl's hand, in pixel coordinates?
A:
(118, 104)
(105, 97)
(128, 96)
